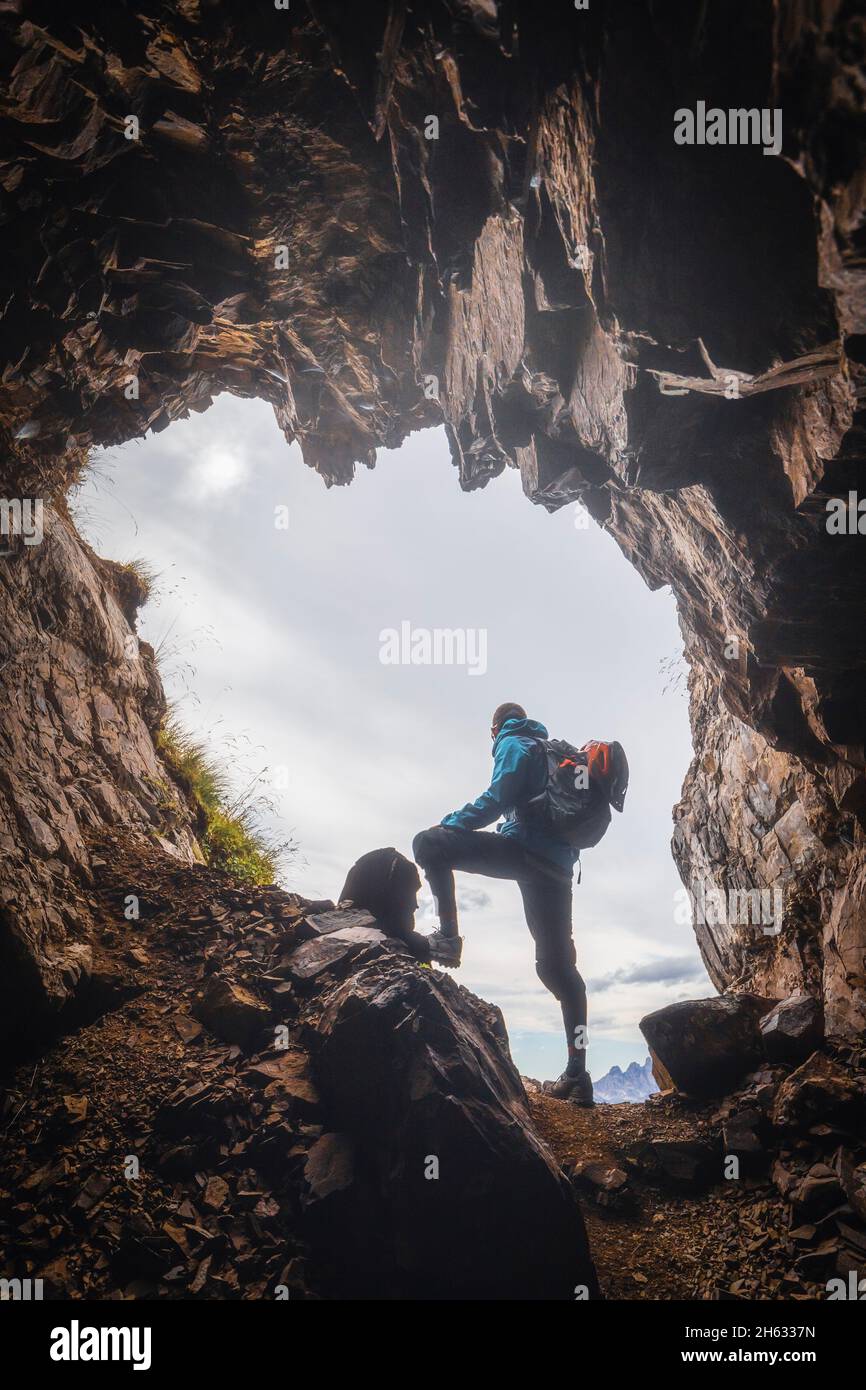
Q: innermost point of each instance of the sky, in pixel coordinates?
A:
(272, 604)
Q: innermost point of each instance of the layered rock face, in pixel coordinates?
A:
(380, 217)
(81, 702)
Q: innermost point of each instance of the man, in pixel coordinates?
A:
(523, 849)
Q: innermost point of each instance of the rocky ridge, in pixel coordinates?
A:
(634, 1084)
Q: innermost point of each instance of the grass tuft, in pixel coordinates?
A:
(234, 838)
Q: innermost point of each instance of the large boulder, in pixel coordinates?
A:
(792, 1030)
(460, 1198)
(707, 1045)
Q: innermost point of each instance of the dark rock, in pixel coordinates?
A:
(818, 1263)
(605, 1176)
(330, 1166)
(816, 1194)
(411, 1070)
(793, 1029)
(802, 1235)
(661, 1075)
(688, 1164)
(818, 1090)
(854, 1237)
(313, 958)
(231, 1012)
(853, 1180)
(320, 907)
(744, 1136)
(192, 1108)
(706, 1045)
(183, 1160)
(286, 1072)
(325, 922)
(604, 1182)
(783, 1178)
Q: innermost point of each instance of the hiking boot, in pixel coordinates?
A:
(576, 1088)
(445, 950)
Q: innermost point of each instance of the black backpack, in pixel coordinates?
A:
(582, 785)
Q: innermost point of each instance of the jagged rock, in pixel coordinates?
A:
(313, 958)
(412, 1071)
(190, 1108)
(818, 1090)
(793, 1029)
(337, 918)
(816, 1194)
(783, 1178)
(688, 1164)
(706, 1045)
(818, 1263)
(853, 1180)
(330, 1166)
(663, 1078)
(743, 1135)
(604, 1176)
(232, 1012)
(286, 1072)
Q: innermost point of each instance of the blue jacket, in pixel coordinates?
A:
(519, 772)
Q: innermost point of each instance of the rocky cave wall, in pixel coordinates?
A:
(672, 335)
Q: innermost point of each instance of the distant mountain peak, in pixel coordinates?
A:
(634, 1084)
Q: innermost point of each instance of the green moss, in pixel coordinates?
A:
(232, 837)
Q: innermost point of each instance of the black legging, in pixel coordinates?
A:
(546, 893)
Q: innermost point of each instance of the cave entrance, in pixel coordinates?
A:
(342, 652)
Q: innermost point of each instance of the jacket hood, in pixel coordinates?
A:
(531, 728)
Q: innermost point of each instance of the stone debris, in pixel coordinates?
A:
(212, 1138)
(793, 1216)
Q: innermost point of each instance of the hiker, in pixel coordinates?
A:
(525, 849)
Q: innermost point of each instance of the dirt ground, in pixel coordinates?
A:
(653, 1242)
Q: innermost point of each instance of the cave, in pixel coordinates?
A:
(476, 215)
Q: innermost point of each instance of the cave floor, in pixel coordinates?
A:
(651, 1241)
(202, 1221)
